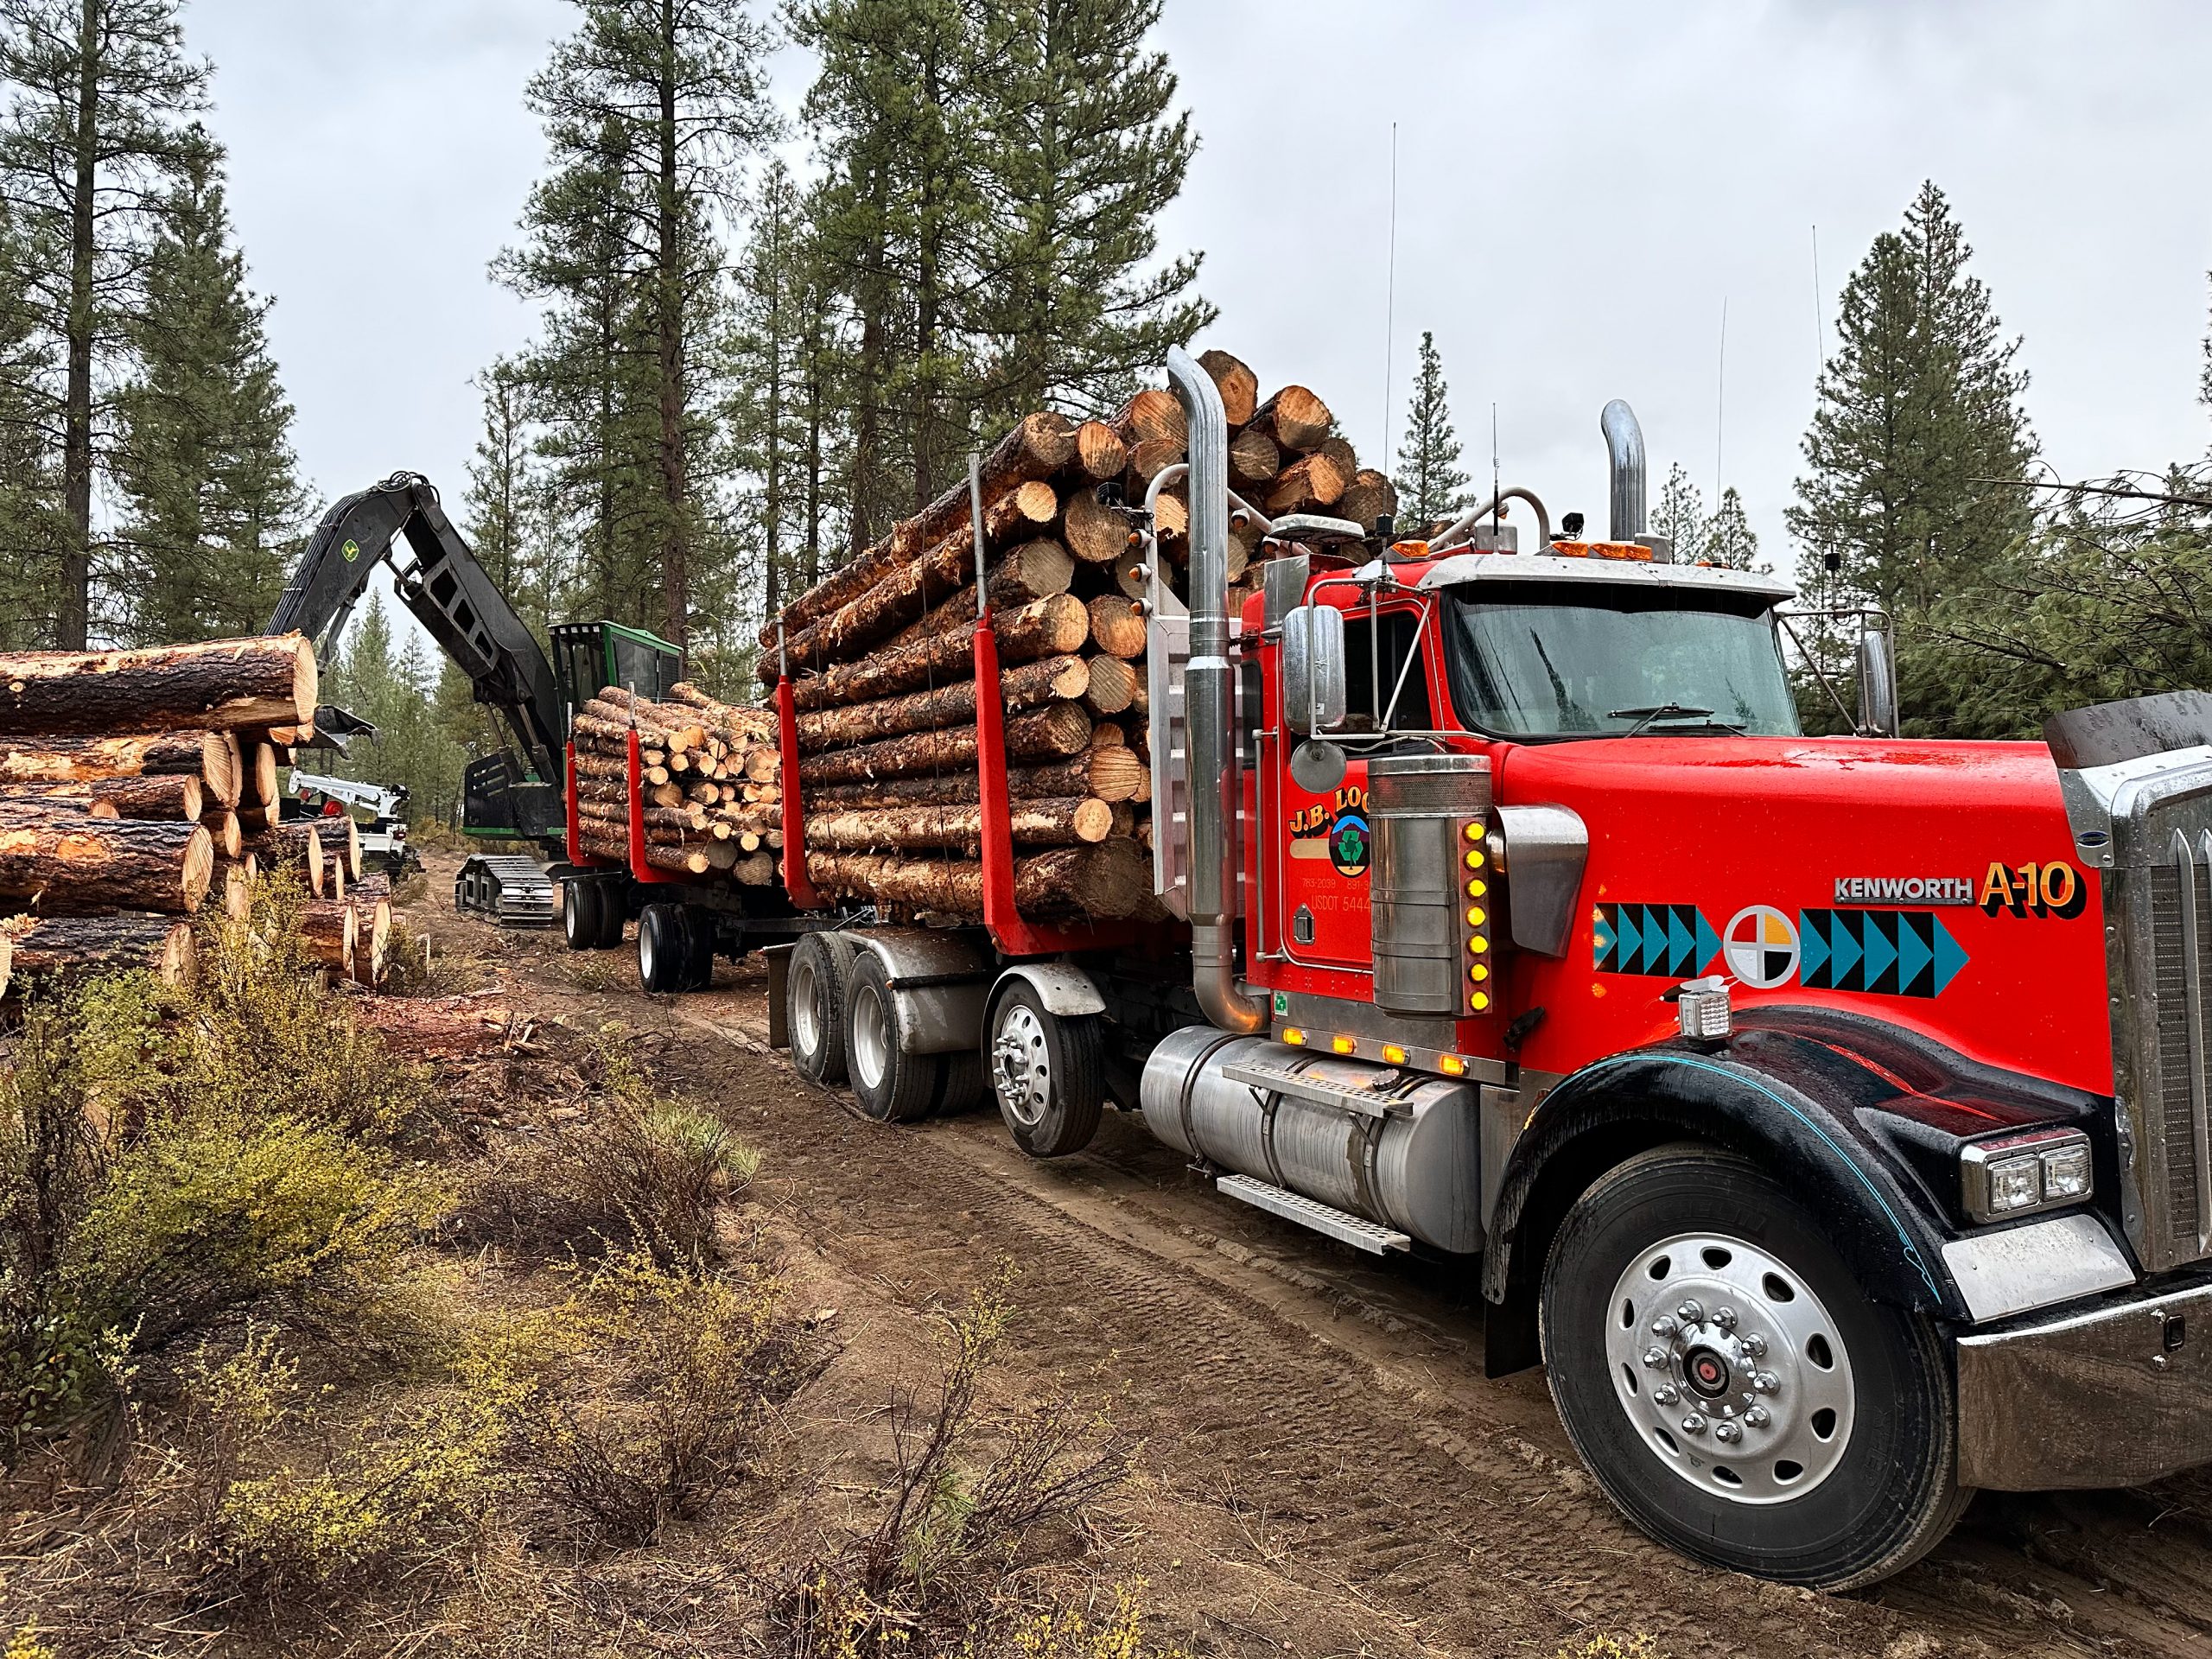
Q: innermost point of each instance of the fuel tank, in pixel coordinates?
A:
(1411, 1163)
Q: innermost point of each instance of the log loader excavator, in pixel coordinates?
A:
(515, 793)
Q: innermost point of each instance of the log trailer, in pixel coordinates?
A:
(1832, 1116)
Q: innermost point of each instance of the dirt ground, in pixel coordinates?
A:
(1324, 1471)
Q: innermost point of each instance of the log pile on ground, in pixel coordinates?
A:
(138, 789)
(881, 655)
(711, 795)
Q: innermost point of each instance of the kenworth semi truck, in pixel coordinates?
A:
(1828, 1114)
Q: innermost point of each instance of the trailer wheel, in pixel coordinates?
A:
(814, 1004)
(663, 950)
(1048, 1071)
(893, 1084)
(613, 914)
(579, 914)
(699, 934)
(1732, 1387)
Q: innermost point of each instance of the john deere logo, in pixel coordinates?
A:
(351, 550)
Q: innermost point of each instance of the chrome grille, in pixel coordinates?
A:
(2181, 937)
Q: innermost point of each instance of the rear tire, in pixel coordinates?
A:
(1806, 1435)
(613, 914)
(1048, 1071)
(699, 966)
(892, 1083)
(813, 1005)
(963, 1089)
(579, 914)
(663, 950)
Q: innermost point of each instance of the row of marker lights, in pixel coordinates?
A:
(1393, 1054)
(1477, 919)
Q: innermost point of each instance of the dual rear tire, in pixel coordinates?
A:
(675, 948)
(591, 915)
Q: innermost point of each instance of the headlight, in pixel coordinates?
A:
(2017, 1174)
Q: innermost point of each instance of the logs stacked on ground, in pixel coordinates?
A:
(137, 787)
(711, 795)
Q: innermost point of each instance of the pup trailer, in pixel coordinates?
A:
(1828, 1115)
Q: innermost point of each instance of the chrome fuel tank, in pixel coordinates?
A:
(1413, 1163)
(1419, 806)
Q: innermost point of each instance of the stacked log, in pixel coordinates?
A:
(709, 778)
(139, 789)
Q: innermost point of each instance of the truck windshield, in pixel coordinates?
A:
(1555, 659)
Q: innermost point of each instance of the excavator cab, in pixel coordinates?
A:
(589, 655)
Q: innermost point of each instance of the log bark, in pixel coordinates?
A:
(1023, 686)
(1094, 533)
(1254, 460)
(1036, 448)
(1112, 686)
(217, 685)
(1106, 881)
(1366, 498)
(258, 774)
(1341, 455)
(291, 847)
(1064, 822)
(1112, 775)
(1117, 626)
(1099, 452)
(327, 930)
(1238, 385)
(1294, 418)
(169, 797)
(233, 887)
(1310, 486)
(1060, 728)
(904, 595)
(253, 820)
(1052, 626)
(54, 857)
(58, 949)
(204, 755)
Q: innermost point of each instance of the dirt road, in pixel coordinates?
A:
(1325, 1472)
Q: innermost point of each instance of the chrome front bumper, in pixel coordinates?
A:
(2114, 1396)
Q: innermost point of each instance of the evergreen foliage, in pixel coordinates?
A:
(421, 710)
(1680, 516)
(94, 137)
(1431, 487)
(31, 530)
(213, 511)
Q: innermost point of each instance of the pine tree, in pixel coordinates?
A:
(213, 510)
(32, 533)
(1729, 542)
(1431, 487)
(1083, 154)
(505, 487)
(93, 141)
(1681, 517)
(396, 689)
(776, 321)
(1920, 403)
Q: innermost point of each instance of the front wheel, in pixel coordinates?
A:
(1732, 1387)
(1048, 1071)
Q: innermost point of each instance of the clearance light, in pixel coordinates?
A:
(1478, 972)
(1478, 944)
(1473, 832)
(1452, 1065)
(1343, 1045)
(1477, 887)
(1393, 1055)
(1476, 914)
(1478, 1000)
(1475, 860)
(1293, 1036)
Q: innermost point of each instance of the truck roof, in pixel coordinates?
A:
(1459, 568)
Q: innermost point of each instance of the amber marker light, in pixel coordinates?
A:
(1452, 1065)
(1478, 1000)
(1478, 971)
(1293, 1036)
(1343, 1045)
(1393, 1055)
(1475, 858)
(1478, 944)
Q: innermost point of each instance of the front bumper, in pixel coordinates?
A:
(2114, 1395)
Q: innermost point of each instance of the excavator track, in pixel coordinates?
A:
(513, 891)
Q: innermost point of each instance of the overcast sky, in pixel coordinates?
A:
(1581, 189)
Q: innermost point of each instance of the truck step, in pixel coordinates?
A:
(1351, 1097)
(1361, 1234)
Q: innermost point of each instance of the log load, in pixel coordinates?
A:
(1094, 532)
(1100, 454)
(1366, 498)
(204, 755)
(1038, 447)
(224, 830)
(216, 685)
(1312, 485)
(1110, 775)
(55, 949)
(1056, 625)
(59, 860)
(1110, 881)
(1063, 821)
(171, 797)
(1295, 419)
(1117, 627)
(1238, 385)
(1254, 461)
(1060, 728)
(1025, 686)
(258, 774)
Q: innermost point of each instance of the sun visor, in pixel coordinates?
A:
(2107, 733)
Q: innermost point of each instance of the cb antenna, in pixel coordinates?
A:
(1390, 298)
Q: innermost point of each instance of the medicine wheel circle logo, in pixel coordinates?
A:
(1760, 945)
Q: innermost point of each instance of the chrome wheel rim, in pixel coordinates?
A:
(1022, 1066)
(806, 1015)
(648, 955)
(871, 1056)
(1731, 1371)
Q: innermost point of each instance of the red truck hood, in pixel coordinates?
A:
(1935, 885)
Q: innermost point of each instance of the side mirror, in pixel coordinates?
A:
(1313, 668)
(1877, 685)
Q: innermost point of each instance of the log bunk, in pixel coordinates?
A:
(891, 745)
(111, 845)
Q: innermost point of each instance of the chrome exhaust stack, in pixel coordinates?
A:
(1624, 470)
(1208, 689)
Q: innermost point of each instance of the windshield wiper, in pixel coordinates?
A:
(1649, 714)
